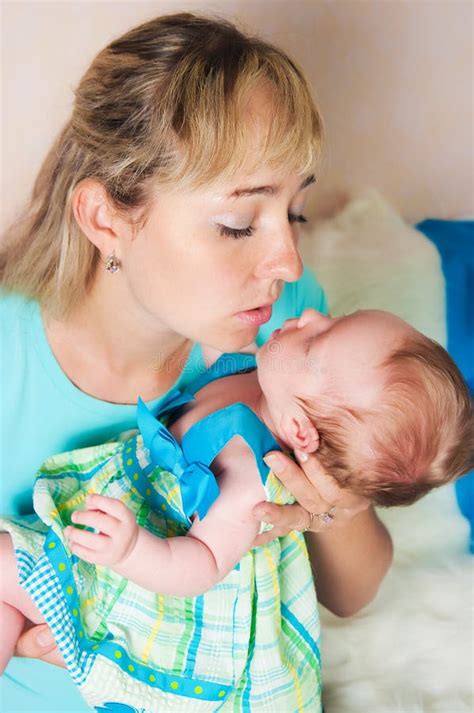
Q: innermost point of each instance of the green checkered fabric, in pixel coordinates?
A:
(249, 644)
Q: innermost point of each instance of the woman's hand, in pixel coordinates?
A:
(350, 550)
(37, 642)
(321, 504)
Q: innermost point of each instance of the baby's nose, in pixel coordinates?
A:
(289, 324)
(311, 315)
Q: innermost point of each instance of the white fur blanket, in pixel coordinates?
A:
(410, 651)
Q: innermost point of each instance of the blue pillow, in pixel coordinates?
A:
(455, 242)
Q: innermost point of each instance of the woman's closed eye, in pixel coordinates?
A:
(237, 233)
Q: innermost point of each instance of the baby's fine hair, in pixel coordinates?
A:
(165, 105)
(419, 437)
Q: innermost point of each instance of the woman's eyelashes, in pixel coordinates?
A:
(237, 233)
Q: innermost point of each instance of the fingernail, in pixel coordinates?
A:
(45, 638)
(301, 455)
(274, 463)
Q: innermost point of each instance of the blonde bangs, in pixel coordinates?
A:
(266, 118)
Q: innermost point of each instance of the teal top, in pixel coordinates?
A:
(44, 413)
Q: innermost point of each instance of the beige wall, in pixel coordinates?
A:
(393, 79)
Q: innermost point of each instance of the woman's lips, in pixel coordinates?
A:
(256, 316)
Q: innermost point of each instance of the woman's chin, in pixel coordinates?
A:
(243, 342)
(228, 340)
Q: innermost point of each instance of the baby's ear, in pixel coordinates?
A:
(303, 434)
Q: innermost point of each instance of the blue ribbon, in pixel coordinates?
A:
(198, 484)
(199, 489)
(173, 399)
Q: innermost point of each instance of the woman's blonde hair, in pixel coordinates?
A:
(163, 105)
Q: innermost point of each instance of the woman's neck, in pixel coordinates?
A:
(114, 351)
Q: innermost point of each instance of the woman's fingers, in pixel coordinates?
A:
(283, 517)
(37, 642)
(321, 503)
(313, 487)
(300, 480)
(267, 537)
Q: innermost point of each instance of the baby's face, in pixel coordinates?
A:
(337, 358)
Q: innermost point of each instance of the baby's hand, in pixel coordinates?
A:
(116, 536)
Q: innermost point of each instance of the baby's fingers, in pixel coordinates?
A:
(84, 553)
(106, 524)
(110, 506)
(83, 538)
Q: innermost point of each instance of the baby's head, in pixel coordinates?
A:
(385, 407)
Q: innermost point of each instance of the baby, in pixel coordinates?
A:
(384, 407)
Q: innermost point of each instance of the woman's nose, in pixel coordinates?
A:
(281, 260)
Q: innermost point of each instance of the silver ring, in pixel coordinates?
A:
(311, 518)
(326, 517)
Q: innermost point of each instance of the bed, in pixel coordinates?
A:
(410, 650)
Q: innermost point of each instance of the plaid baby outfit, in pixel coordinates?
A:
(251, 643)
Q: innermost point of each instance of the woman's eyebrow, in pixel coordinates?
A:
(267, 190)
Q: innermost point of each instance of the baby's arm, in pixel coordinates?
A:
(180, 566)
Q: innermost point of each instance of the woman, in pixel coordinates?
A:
(165, 217)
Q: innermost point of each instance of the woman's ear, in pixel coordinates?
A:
(96, 216)
(302, 434)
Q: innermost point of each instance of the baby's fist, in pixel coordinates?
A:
(115, 536)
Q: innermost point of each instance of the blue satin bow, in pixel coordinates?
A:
(198, 484)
